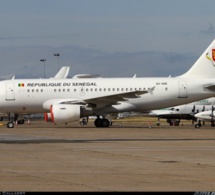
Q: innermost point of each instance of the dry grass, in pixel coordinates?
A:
(147, 120)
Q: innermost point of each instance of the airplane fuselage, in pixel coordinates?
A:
(29, 95)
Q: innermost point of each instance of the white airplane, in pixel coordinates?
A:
(62, 73)
(186, 111)
(68, 100)
(208, 116)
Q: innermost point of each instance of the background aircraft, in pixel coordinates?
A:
(208, 116)
(62, 74)
(186, 111)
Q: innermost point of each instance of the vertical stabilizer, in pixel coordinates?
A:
(63, 73)
(204, 67)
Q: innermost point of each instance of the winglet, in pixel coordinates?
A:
(150, 90)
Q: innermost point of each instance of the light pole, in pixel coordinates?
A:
(57, 55)
(44, 60)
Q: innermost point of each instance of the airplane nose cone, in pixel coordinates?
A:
(197, 115)
(203, 115)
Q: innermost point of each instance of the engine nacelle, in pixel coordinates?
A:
(65, 113)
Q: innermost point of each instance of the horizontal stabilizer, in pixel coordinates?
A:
(210, 87)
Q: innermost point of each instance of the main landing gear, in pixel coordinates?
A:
(102, 122)
(14, 120)
(198, 125)
(212, 123)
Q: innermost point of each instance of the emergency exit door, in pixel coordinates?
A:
(182, 89)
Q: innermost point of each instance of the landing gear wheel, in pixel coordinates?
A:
(97, 122)
(198, 125)
(10, 125)
(105, 123)
(176, 123)
(21, 122)
(102, 122)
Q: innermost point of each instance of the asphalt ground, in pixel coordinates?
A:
(129, 156)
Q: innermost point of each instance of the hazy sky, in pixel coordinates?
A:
(114, 38)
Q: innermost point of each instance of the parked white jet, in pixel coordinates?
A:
(68, 100)
(186, 111)
(208, 115)
(62, 73)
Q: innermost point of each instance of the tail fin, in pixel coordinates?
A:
(63, 73)
(204, 67)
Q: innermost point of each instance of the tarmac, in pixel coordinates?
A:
(127, 157)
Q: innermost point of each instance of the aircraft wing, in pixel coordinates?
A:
(101, 101)
(210, 87)
(113, 99)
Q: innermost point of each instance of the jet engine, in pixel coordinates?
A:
(65, 113)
